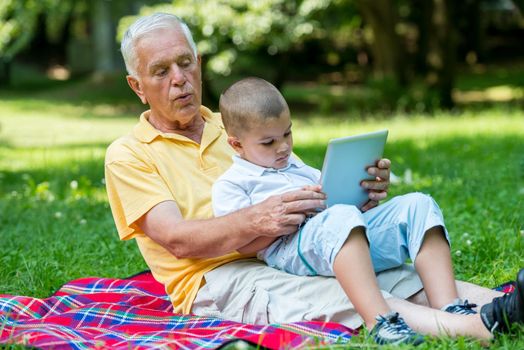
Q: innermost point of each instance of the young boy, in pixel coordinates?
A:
(333, 242)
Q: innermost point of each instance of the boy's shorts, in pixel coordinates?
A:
(395, 232)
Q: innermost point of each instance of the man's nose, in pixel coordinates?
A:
(177, 75)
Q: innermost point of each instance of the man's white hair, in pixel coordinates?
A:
(145, 25)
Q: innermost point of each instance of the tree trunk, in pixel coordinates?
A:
(209, 96)
(441, 57)
(5, 73)
(103, 38)
(388, 51)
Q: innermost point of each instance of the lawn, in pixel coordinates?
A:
(55, 223)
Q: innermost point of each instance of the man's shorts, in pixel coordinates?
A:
(249, 291)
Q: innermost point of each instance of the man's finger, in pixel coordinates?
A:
(383, 174)
(384, 163)
(303, 206)
(369, 205)
(293, 220)
(377, 195)
(375, 185)
(299, 195)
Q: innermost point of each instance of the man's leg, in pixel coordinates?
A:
(438, 323)
(472, 292)
(354, 271)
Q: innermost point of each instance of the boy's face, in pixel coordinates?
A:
(268, 143)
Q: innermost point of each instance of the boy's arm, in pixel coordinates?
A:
(228, 197)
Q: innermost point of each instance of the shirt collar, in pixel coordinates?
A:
(257, 170)
(146, 133)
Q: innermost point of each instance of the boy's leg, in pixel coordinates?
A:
(334, 243)
(354, 271)
(433, 264)
(407, 226)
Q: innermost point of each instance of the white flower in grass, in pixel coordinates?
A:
(458, 253)
(468, 242)
(73, 185)
(522, 233)
(465, 235)
(58, 214)
(83, 221)
(103, 181)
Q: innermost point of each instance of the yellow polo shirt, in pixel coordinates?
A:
(148, 167)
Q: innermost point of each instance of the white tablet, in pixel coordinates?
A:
(345, 165)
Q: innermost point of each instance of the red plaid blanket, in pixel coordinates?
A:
(135, 313)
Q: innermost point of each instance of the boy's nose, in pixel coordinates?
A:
(284, 147)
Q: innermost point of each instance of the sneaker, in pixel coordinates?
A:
(391, 329)
(460, 307)
(502, 312)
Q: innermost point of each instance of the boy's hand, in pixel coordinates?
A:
(378, 188)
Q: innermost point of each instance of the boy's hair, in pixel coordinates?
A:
(248, 101)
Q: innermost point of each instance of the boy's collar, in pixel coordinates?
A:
(258, 170)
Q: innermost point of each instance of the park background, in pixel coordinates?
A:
(445, 77)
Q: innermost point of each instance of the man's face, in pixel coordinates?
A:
(268, 144)
(169, 76)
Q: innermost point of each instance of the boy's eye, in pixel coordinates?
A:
(287, 133)
(267, 143)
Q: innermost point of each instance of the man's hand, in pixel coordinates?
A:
(282, 214)
(378, 188)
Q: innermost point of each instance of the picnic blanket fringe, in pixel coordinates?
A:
(135, 313)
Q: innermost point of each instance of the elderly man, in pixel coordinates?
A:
(159, 180)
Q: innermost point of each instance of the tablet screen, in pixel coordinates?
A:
(345, 165)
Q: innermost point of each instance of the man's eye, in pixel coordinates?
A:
(185, 63)
(160, 72)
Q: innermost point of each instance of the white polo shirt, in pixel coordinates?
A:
(245, 183)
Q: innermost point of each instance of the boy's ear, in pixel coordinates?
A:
(235, 143)
(135, 85)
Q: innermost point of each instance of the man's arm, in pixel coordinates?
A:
(378, 188)
(278, 215)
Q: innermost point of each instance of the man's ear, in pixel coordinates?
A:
(235, 143)
(135, 85)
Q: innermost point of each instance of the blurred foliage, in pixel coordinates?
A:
(274, 26)
(19, 20)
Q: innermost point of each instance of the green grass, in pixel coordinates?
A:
(55, 223)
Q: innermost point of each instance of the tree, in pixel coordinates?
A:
(18, 23)
(224, 30)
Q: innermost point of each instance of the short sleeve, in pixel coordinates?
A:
(133, 189)
(228, 197)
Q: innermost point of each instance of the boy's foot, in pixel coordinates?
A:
(391, 329)
(502, 312)
(460, 307)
